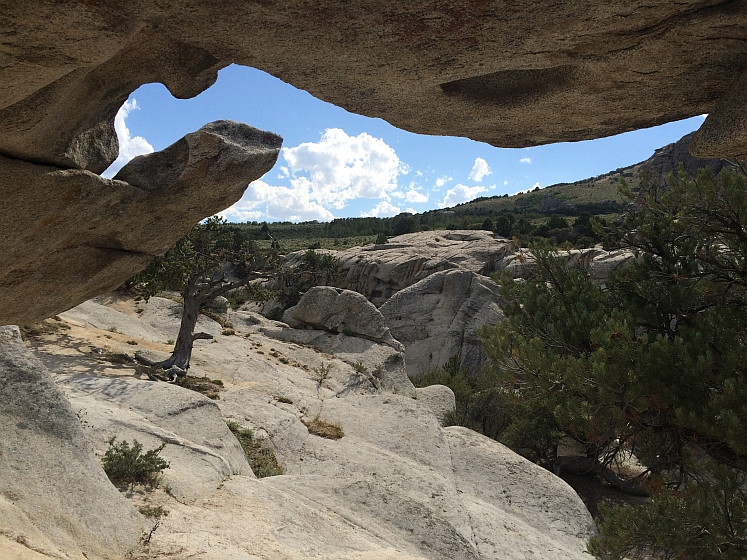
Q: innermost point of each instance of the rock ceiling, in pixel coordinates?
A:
(512, 74)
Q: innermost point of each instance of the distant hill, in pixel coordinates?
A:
(596, 195)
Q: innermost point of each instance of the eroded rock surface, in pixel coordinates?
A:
(343, 311)
(439, 317)
(538, 72)
(74, 234)
(380, 271)
(396, 486)
(54, 497)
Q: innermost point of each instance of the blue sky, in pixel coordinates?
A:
(337, 164)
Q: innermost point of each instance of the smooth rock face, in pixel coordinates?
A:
(200, 448)
(342, 311)
(439, 317)
(49, 252)
(439, 398)
(54, 496)
(424, 66)
(395, 486)
(379, 271)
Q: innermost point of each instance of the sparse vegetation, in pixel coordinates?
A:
(359, 367)
(324, 429)
(127, 464)
(52, 325)
(261, 457)
(322, 373)
(153, 512)
(198, 267)
(209, 387)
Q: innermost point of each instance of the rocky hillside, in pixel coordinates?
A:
(395, 485)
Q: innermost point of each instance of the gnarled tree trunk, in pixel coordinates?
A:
(185, 340)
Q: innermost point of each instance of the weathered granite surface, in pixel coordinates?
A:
(396, 486)
(54, 497)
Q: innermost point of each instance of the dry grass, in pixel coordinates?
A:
(324, 429)
(209, 387)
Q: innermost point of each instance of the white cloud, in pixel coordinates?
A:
(382, 209)
(525, 160)
(410, 211)
(441, 181)
(536, 186)
(129, 147)
(415, 196)
(505, 182)
(479, 170)
(340, 168)
(460, 193)
(278, 203)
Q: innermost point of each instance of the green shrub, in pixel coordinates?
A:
(125, 464)
(261, 458)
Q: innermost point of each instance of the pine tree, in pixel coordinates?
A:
(652, 364)
(213, 259)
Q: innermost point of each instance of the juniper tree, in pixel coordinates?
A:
(213, 259)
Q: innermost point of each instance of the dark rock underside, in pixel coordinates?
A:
(509, 73)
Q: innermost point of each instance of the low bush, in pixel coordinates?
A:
(154, 512)
(209, 387)
(127, 464)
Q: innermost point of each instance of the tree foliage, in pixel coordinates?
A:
(213, 259)
(653, 364)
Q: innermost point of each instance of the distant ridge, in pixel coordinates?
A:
(597, 195)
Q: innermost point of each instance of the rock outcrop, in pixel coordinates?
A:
(153, 200)
(598, 262)
(380, 271)
(396, 486)
(439, 317)
(54, 497)
(439, 398)
(539, 72)
(667, 159)
(343, 311)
